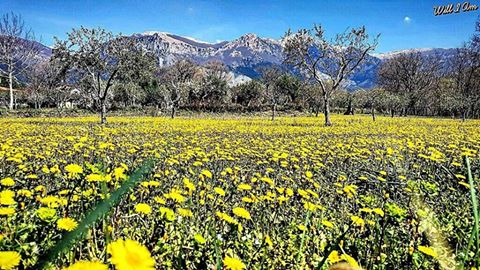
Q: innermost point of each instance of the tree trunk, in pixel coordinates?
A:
(10, 86)
(326, 109)
(274, 109)
(392, 111)
(349, 108)
(103, 113)
(173, 111)
(373, 114)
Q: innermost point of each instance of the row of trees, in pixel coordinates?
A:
(432, 85)
(99, 71)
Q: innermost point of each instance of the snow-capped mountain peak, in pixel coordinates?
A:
(245, 55)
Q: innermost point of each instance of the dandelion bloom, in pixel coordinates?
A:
(428, 251)
(9, 259)
(129, 254)
(233, 263)
(302, 227)
(219, 191)
(244, 187)
(46, 214)
(177, 197)
(8, 182)
(199, 239)
(189, 185)
(358, 221)
(184, 212)
(207, 173)
(73, 169)
(327, 223)
(143, 208)
(82, 265)
(167, 213)
(6, 211)
(241, 212)
(7, 197)
(67, 224)
(226, 217)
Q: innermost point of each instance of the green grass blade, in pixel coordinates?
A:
(474, 203)
(99, 211)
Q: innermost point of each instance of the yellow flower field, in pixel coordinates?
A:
(241, 193)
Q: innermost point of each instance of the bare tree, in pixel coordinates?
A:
(178, 78)
(464, 71)
(58, 81)
(274, 93)
(99, 59)
(410, 75)
(35, 91)
(212, 85)
(18, 49)
(327, 63)
(312, 97)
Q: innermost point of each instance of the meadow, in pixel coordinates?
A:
(241, 193)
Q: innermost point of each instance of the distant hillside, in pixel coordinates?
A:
(246, 54)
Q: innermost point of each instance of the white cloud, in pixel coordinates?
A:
(407, 19)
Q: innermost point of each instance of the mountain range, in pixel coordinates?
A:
(246, 54)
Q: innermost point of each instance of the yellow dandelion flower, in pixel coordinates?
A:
(226, 217)
(428, 251)
(143, 208)
(301, 227)
(129, 254)
(219, 191)
(247, 200)
(159, 200)
(184, 212)
(464, 184)
(90, 265)
(67, 224)
(379, 212)
(244, 187)
(199, 239)
(8, 182)
(46, 214)
(189, 185)
(6, 211)
(207, 174)
(358, 221)
(233, 263)
(167, 213)
(242, 212)
(9, 259)
(119, 173)
(175, 196)
(25, 193)
(268, 241)
(95, 178)
(328, 224)
(310, 206)
(74, 169)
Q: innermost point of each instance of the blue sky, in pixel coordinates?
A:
(403, 24)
